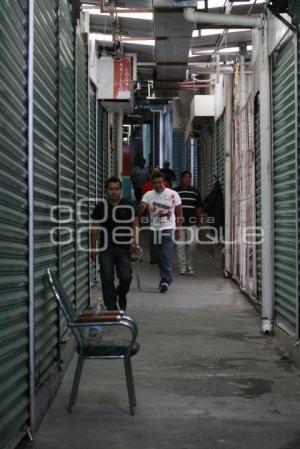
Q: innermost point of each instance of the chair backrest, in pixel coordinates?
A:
(65, 304)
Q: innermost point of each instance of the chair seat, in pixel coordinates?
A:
(108, 348)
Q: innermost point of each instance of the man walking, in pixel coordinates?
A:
(116, 226)
(164, 206)
(139, 176)
(192, 214)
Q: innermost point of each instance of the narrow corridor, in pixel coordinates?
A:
(205, 377)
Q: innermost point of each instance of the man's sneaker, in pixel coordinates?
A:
(190, 271)
(163, 287)
(183, 272)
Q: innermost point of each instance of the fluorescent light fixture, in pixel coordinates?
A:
(229, 50)
(220, 3)
(211, 31)
(100, 37)
(200, 52)
(130, 15)
(108, 38)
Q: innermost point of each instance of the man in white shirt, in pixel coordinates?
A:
(164, 206)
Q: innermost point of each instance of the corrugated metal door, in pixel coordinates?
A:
(14, 352)
(147, 145)
(177, 148)
(285, 182)
(102, 144)
(92, 161)
(45, 181)
(67, 150)
(257, 149)
(220, 135)
(82, 175)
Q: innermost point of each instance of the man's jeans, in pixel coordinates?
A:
(163, 246)
(115, 256)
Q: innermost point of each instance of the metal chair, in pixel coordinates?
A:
(88, 348)
(136, 260)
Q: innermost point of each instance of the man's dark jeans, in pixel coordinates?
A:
(163, 245)
(119, 258)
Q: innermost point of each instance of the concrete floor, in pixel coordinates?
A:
(205, 377)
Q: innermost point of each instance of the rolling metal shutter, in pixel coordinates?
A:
(220, 136)
(257, 194)
(102, 162)
(82, 176)
(45, 181)
(92, 162)
(177, 148)
(14, 352)
(66, 176)
(285, 181)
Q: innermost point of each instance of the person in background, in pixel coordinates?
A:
(146, 187)
(192, 207)
(164, 206)
(139, 176)
(149, 185)
(169, 174)
(115, 247)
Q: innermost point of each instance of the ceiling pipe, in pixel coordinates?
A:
(228, 20)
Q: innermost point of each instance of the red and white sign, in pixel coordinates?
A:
(114, 78)
(122, 78)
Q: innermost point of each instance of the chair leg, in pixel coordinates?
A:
(132, 382)
(137, 270)
(130, 385)
(76, 382)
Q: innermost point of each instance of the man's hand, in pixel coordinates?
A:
(94, 255)
(133, 246)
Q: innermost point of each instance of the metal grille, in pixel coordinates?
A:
(14, 375)
(258, 194)
(82, 176)
(45, 181)
(284, 188)
(243, 190)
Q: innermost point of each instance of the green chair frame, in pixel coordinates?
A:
(87, 348)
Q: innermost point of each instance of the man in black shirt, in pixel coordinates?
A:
(169, 174)
(192, 213)
(115, 225)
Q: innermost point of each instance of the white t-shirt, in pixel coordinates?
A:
(162, 208)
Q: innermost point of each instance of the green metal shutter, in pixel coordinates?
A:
(258, 194)
(284, 178)
(45, 181)
(14, 352)
(93, 161)
(82, 175)
(220, 143)
(102, 149)
(209, 170)
(177, 148)
(66, 176)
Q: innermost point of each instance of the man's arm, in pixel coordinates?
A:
(141, 209)
(179, 220)
(200, 215)
(94, 238)
(135, 241)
